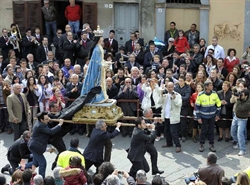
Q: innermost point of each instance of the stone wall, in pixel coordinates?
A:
(6, 14)
(226, 20)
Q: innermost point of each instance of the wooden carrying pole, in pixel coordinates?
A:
(89, 123)
(110, 124)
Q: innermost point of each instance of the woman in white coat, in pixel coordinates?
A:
(152, 99)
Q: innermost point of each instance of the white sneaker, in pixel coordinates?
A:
(157, 139)
(236, 147)
(241, 153)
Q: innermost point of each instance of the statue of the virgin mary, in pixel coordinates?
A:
(96, 72)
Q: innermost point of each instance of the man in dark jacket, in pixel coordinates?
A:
(171, 33)
(129, 92)
(5, 43)
(192, 35)
(73, 90)
(110, 44)
(217, 83)
(42, 50)
(185, 91)
(137, 148)
(83, 47)
(18, 151)
(196, 56)
(49, 13)
(150, 148)
(93, 153)
(39, 140)
(69, 47)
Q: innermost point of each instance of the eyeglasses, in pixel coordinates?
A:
(59, 33)
(128, 82)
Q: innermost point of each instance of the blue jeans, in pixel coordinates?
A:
(50, 29)
(39, 161)
(74, 25)
(238, 132)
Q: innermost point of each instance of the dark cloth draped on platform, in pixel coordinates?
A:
(78, 104)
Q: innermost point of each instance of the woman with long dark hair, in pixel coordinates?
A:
(44, 91)
(30, 91)
(96, 72)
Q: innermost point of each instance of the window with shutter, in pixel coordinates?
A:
(90, 14)
(27, 14)
(184, 1)
(19, 15)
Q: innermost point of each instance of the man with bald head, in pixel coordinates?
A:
(112, 90)
(18, 110)
(171, 110)
(73, 91)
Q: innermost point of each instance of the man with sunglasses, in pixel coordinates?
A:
(18, 150)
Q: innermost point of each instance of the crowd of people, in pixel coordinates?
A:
(187, 88)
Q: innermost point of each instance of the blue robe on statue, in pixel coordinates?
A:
(96, 75)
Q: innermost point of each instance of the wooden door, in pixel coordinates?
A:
(27, 14)
(89, 14)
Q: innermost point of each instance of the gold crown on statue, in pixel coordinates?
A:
(98, 32)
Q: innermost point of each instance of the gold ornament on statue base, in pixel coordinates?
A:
(90, 113)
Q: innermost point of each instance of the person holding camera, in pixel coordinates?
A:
(241, 111)
(171, 110)
(208, 107)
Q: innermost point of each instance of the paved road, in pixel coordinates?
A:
(176, 166)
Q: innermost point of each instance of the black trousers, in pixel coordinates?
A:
(89, 163)
(19, 128)
(150, 148)
(184, 125)
(167, 132)
(59, 144)
(4, 124)
(207, 126)
(142, 165)
(175, 130)
(108, 149)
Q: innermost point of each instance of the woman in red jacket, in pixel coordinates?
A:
(181, 43)
(57, 98)
(231, 60)
(196, 126)
(74, 174)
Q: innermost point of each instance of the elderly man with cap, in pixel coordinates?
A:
(208, 107)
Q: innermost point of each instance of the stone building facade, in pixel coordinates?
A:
(229, 20)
